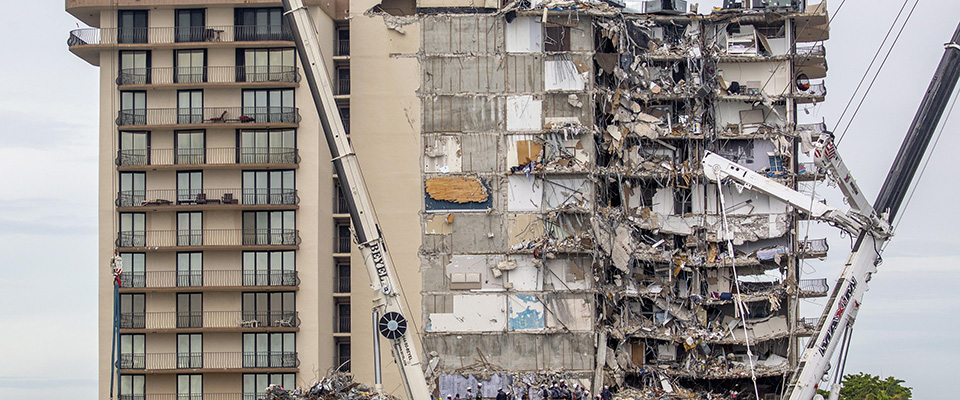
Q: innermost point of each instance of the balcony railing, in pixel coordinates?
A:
(811, 50)
(340, 205)
(815, 90)
(814, 248)
(343, 323)
(343, 47)
(208, 115)
(343, 284)
(816, 286)
(209, 237)
(215, 278)
(195, 396)
(167, 35)
(212, 360)
(222, 74)
(343, 83)
(342, 244)
(165, 197)
(209, 319)
(209, 156)
(815, 129)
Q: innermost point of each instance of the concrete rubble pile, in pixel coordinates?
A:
(338, 386)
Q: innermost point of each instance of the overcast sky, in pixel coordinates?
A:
(906, 327)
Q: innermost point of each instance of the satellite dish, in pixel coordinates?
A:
(803, 82)
(392, 325)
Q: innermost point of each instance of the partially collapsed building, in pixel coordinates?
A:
(568, 226)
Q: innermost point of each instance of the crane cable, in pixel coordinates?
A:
(738, 302)
(877, 74)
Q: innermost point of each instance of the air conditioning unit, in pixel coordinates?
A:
(666, 6)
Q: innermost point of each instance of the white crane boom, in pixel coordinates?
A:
(393, 323)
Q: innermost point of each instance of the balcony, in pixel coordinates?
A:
(213, 198)
(228, 279)
(192, 76)
(814, 248)
(342, 244)
(183, 240)
(816, 93)
(212, 156)
(811, 50)
(208, 360)
(209, 117)
(213, 320)
(194, 396)
(813, 287)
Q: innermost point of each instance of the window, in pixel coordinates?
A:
(274, 350)
(269, 187)
(557, 38)
(132, 189)
(132, 26)
(131, 387)
(776, 164)
(189, 228)
(269, 105)
(343, 80)
(132, 230)
(190, 25)
(133, 148)
(189, 310)
(189, 106)
(190, 387)
(342, 238)
(132, 311)
(343, 318)
(276, 309)
(190, 269)
(269, 227)
(134, 67)
(345, 117)
(132, 352)
(260, 24)
(191, 66)
(133, 108)
(266, 65)
(189, 187)
(190, 148)
(189, 350)
(273, 146)
(269, 268)
(253, 384)
(343, 41)
(342, 284)
(343, 355)
(133, 270)
(682, 201)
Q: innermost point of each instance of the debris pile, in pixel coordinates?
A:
(339, 386)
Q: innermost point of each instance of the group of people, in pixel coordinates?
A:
(555, 391)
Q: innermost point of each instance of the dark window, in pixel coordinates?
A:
(343, 41)
(253, 384)
(189, 187)
(268, 105)
(190, 146)
(343, 278)
(190, 228)
(269, 268)
(269, 227)
(133, 108)
(557, 38)
(132, 311)
(190, 269)
(132, 230)
(343, 356)
(132, 189)
(345, 118)
(682, 201)
(266, 65)
(189, 310)
(132, 351)
(343, 318)
(133, 270)
(273, 146)
(132, 387)
(132, 26)
(190, 66)
(342, 238)
(343, 80)
(260, 24)
(269, 350)
(273, 309)
(190, 25)
(133, 148)
(189, 106)
(134, 67)
(269, 187)
(189, 350)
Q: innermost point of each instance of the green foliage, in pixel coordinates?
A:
(870, 387)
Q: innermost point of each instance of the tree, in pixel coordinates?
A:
(870, 387)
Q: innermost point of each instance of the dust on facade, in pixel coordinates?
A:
(569, 230)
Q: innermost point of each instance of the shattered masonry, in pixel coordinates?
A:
(566, 218)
